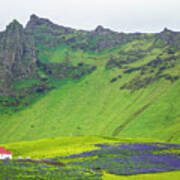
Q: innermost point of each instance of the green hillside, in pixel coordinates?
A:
(88, 83)
(96, 104)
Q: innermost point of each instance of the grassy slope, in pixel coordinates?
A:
(94, 106)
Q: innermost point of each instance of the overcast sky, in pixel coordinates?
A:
(119, 15)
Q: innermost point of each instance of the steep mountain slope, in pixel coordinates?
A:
(97, 83)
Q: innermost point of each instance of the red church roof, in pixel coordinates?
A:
(2, 148)
(3, 151)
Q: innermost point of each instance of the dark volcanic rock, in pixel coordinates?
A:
(47, 33)
(35, 22)
(101, 30)
(17, 56)
(169, 37)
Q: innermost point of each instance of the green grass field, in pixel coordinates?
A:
(63, 146)
(155, 176)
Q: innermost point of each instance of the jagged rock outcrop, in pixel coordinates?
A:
(101, 30)
(51, 35)
(169, 38)
(35, 22)
(47, 33)
(17, 57)
(105, 38)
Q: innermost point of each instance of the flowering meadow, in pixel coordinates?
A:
(26, 170)
(116, 159)
(128, 159)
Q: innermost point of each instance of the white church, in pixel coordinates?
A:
(4, 154)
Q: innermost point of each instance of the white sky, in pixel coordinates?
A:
(119, 15)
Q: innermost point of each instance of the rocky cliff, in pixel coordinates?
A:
(17, 57)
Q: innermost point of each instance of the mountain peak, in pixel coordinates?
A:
(99, 28)
(33, 16)
(14, 25)
(15, 22)
(14, 28)
(166, 30)
(36, 21)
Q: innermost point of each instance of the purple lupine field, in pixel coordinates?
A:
(127, 159)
